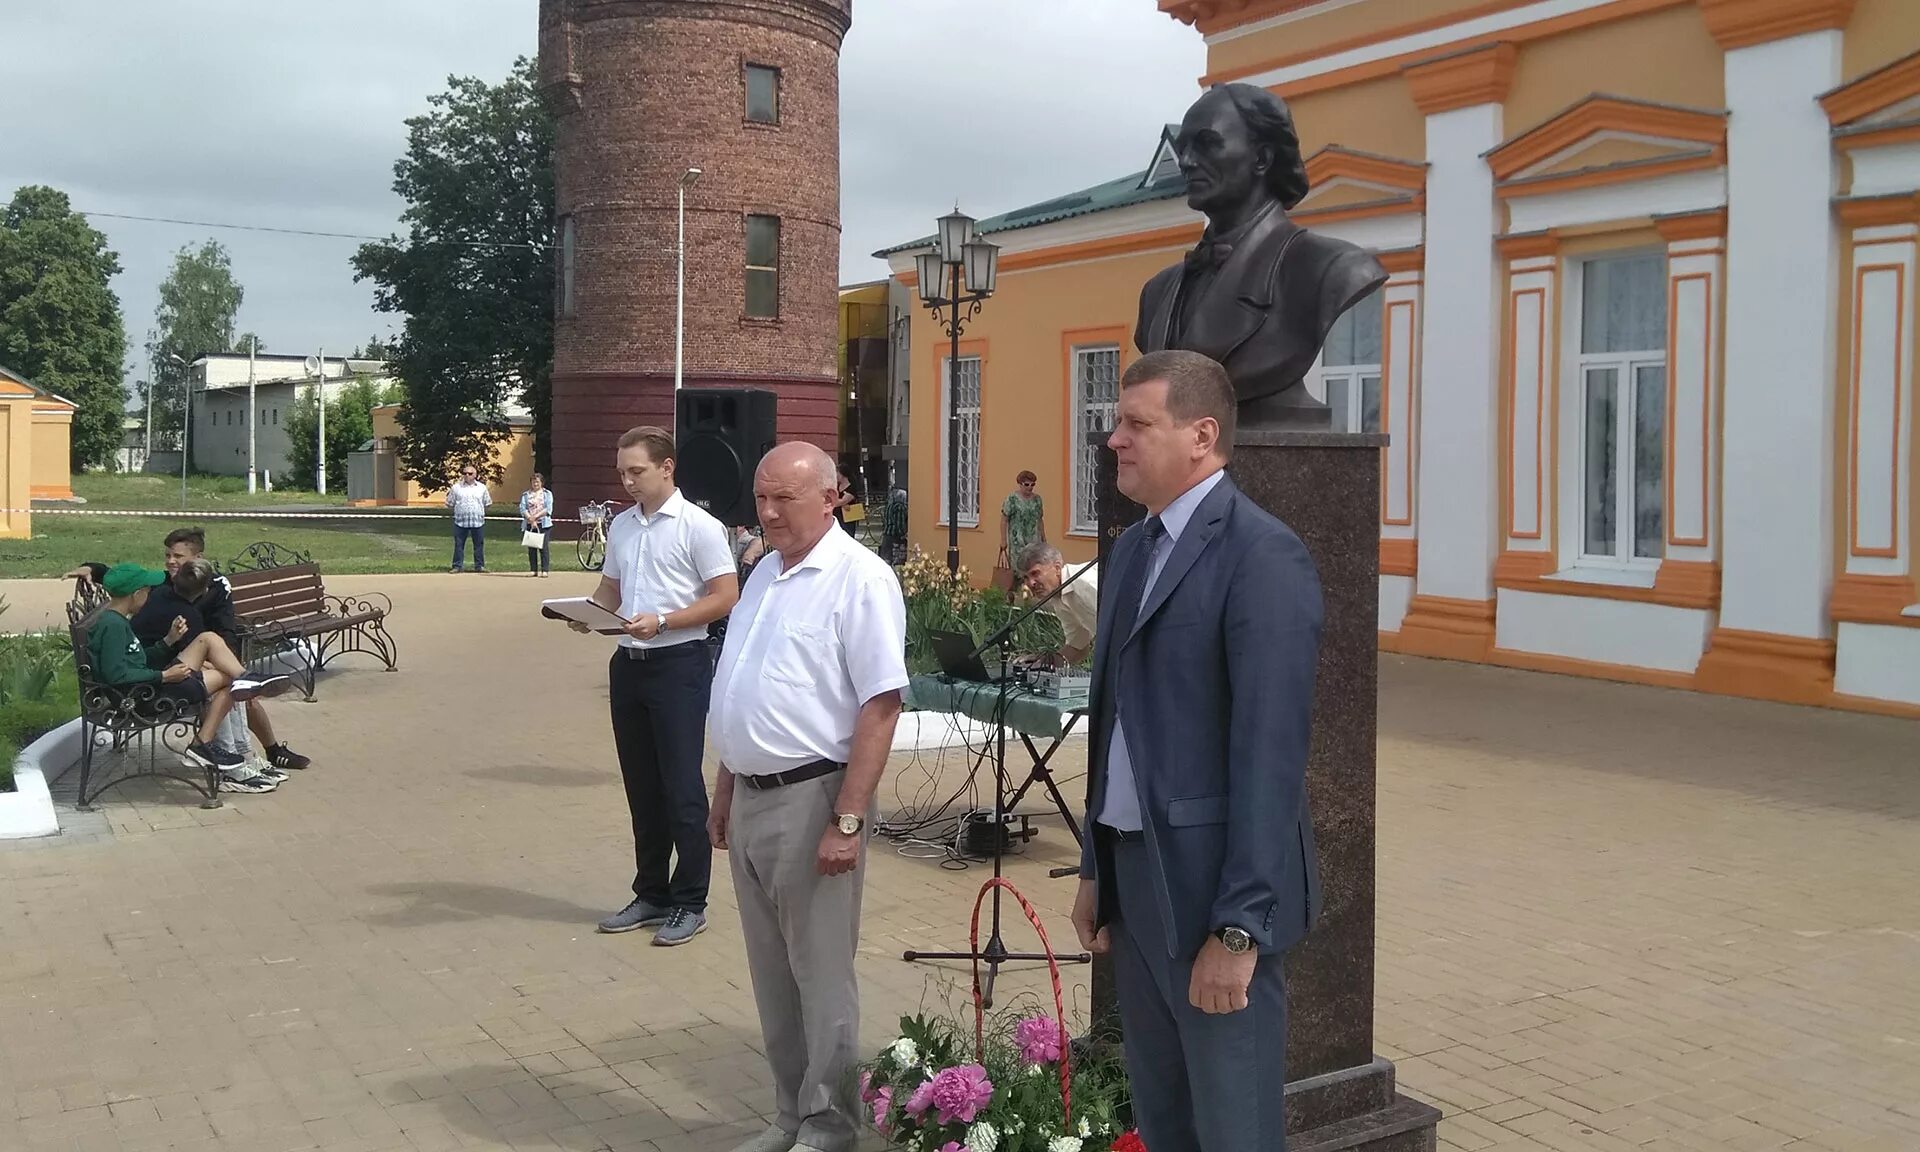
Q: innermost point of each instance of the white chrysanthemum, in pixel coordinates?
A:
(1086, 1129)
(1064, 1144)
(1036, 1070)
(906, 1052)
(982, 1137)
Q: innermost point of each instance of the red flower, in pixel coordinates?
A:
(1130, 1142)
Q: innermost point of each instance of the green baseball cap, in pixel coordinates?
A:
(126, 579)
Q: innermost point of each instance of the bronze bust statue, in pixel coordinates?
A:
(1259, 293)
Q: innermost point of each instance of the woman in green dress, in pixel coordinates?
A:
(1023, 518)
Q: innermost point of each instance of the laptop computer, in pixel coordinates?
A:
(955, 652)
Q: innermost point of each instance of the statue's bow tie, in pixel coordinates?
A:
(1208, 254)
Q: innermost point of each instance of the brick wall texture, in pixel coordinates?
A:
(642, 91)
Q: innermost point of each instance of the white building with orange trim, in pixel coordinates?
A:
(1645, 357)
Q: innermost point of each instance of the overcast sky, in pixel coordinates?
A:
(290, 115)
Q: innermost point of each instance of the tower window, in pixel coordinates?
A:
(763, 94)
(763, 267)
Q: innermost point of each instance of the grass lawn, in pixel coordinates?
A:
(63, 542)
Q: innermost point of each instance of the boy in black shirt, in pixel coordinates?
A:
(204, 673)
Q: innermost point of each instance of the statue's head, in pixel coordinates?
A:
(1237, 146)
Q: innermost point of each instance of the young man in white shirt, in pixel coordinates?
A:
(669, 571)
(804, 706)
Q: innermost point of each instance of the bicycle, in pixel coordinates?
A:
(591, 546)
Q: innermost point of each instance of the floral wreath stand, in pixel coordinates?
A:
(1049, 1036)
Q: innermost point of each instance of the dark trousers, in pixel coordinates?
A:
(542, 557)
(1200, 1083)
(660, 732)
(460, 538)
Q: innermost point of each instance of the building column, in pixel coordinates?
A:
(1530, 381)
(1696, 282)
(1875, 605)
(1777, 512)
(1451, 612)
(1399, 461)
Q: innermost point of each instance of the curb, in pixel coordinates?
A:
(28, 810)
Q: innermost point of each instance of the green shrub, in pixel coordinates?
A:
(39, 691)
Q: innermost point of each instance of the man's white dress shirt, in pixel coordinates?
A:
(807, 647)
(663, 563)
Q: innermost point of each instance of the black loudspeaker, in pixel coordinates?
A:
(720, 436)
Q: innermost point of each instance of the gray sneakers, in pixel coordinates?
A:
(774, 1139)
(638, 914)
(682, 925)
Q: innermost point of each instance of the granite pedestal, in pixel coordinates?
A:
(1326, 487)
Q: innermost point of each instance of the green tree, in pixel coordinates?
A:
(198, 302)
(349, 425)
(247, 339)
(374, 349)
(474, 274)
(59, 321)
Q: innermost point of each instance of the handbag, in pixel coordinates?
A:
(1003, 572)
(533, 539)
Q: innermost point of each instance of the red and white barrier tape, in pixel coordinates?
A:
(148, 513)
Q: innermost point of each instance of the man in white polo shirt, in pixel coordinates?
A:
(670, 572)
(804, 705)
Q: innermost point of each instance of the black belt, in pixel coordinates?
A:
(680, 649)
(1120, 836)
(798, 775)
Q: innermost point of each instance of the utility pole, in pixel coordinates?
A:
(149, 450)
(253, 345)
(186, 422)
(323, 423)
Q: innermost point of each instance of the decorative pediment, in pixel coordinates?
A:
(1882, 107)
(1604, 139)
(1345, 180)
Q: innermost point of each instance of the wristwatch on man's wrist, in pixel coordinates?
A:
(848, 823)
(1235, 940)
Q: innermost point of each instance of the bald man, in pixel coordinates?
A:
(804, 704)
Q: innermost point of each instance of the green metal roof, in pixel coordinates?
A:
(1120, 193)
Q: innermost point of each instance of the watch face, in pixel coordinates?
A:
(849, 825)
(1236, 939)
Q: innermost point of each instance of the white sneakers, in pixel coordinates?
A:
(245, 689)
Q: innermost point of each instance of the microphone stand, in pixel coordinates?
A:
(995, 953)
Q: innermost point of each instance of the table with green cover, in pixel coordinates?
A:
(1028, 715)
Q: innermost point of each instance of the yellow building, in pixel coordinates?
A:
(36, 456)
(1645, 356)
(383, 484)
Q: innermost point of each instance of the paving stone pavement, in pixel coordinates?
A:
(1609, 918)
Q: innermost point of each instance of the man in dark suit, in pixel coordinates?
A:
(1200, 871)
(1259, 293)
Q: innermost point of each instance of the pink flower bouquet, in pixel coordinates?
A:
(929, 1091)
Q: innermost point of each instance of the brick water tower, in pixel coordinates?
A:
(642, 91)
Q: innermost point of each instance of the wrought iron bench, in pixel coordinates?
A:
(122, 718)
(283, 609)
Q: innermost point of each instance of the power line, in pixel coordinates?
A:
(303, 231)
(363, 236)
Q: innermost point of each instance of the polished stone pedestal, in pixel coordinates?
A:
(1326, 487)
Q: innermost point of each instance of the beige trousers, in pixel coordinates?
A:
(801, 931)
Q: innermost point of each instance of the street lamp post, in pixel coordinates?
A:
(687, 179)
(955, 276)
